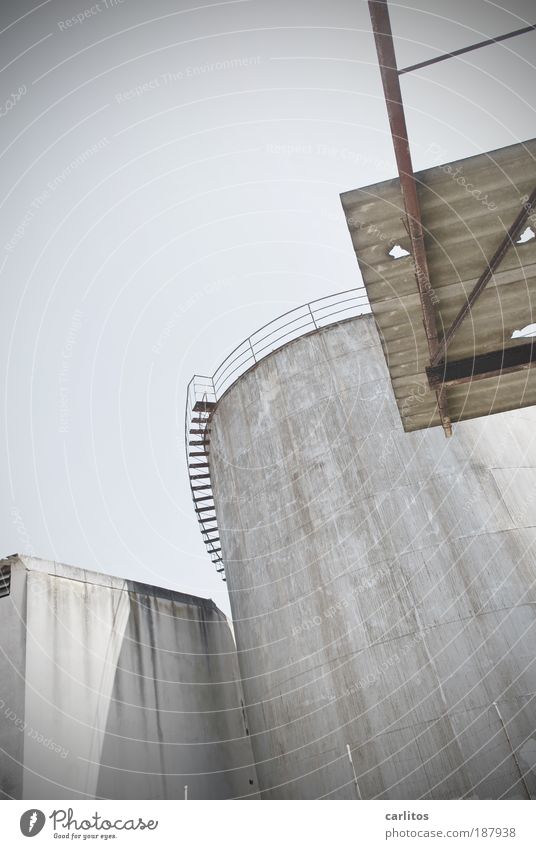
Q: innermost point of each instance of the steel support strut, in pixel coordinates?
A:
(381, 25)
(468, 49)
(485, 277)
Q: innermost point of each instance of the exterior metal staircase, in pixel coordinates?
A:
(204, 392)
(198, 412)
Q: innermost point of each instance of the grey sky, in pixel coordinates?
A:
(158, 206)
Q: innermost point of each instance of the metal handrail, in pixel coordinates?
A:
(208, 390)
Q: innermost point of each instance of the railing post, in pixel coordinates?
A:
(252, 351)
(312, 316)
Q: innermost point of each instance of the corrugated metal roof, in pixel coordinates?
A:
(467, 207)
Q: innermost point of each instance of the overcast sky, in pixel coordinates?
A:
(157, 209)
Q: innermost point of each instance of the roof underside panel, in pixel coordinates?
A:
(467, 207)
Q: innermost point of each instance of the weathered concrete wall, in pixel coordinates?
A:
(130, 691)
(382, 583)
(12, 671)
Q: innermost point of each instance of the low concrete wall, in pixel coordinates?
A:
(382, 583)
(130, 691)
(12, 672)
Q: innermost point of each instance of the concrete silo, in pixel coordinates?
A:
(382, 583)
(112, 689)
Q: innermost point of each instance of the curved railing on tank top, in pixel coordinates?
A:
(204, 392)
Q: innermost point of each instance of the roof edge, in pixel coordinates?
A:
(76, 573)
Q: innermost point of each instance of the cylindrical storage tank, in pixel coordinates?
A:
(382, 583)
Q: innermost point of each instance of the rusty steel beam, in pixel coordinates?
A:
(492, 364)
(477, 46)
(381, 26)
(485, 277)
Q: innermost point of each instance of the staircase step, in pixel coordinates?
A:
(198, 430)
(205, 509)
(198, 465)
(198, 477)
(203, 488)
(204, 406)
